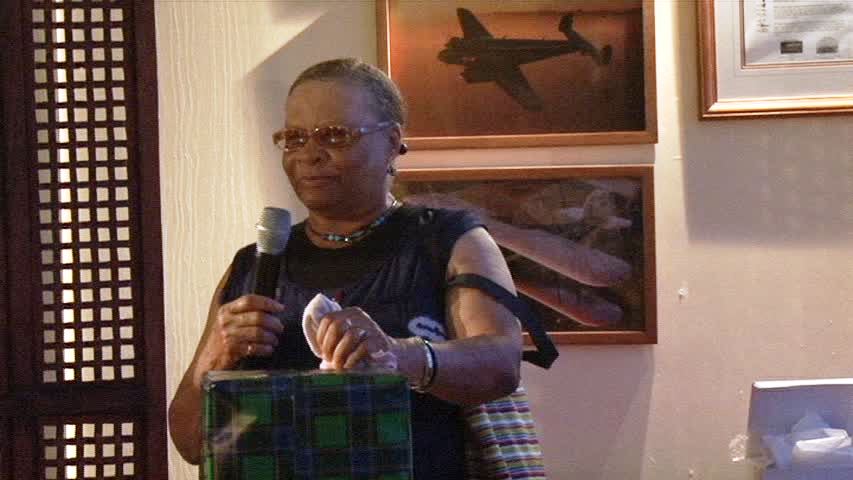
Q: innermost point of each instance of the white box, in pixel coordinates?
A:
(775, 406)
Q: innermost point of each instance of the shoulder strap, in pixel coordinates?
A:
(545, 352)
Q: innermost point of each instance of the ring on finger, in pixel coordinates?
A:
(361, 335)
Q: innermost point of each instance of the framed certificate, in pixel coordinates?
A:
(763, 58)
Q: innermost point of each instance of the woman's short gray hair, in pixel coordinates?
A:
(385, 95)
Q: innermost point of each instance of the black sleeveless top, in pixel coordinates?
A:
(394, 275)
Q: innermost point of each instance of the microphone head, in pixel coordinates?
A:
(273, 230)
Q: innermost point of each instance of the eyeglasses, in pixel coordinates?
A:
(327, 136)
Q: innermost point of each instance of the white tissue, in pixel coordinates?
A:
(830, 451)
(811, 444)
(808, 427)
(319, 307)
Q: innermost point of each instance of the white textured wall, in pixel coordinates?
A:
(223, 72)
(754, 217)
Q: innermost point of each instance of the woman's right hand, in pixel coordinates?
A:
(242, 328)
(233, 331)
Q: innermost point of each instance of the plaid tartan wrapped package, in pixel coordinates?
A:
(306, 425)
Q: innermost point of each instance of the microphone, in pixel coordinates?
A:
(273, 233)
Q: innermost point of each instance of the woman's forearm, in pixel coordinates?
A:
(185, 420)
(468, 371)
(476, 369)
(185, 409)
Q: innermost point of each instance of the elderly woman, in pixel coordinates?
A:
(361, 246)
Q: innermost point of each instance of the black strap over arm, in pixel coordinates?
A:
(545, 352)
(439, 244)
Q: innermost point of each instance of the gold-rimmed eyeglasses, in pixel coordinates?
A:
(327, 136)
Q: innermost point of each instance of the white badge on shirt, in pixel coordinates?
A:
(428, 328)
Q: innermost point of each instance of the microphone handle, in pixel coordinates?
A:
(266, 281)
(266, 276)
(254, 363)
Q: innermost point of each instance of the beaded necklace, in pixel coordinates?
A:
(359, 234)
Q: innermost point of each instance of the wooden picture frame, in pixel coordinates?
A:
(579, 240)
(755, 63)
(600, 90)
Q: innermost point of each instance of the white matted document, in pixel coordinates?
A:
(796, 31)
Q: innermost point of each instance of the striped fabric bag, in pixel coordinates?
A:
(501, 440)
(306, 425)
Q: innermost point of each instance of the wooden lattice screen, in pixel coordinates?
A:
(82, 391)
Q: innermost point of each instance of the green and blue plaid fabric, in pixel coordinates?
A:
(306, 425)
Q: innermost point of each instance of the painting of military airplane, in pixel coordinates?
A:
(489, 59)
(486, 73)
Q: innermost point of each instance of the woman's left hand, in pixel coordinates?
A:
(349, 336)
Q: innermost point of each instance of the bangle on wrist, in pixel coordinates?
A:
(433, 362)
(428, 372)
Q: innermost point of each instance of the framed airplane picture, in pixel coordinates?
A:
(481, 73)
(579, 241)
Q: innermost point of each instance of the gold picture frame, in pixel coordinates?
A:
(579, 240)
(799, 73)
(463, 93)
